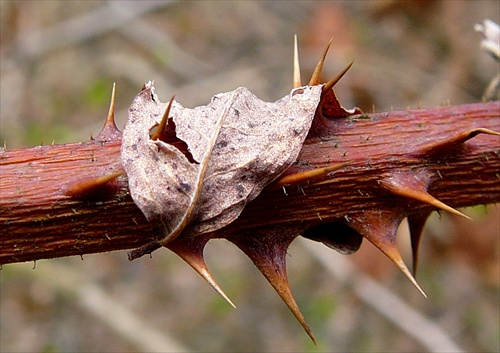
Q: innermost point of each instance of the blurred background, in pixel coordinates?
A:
(58, 62)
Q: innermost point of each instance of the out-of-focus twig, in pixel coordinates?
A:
(421, 329)
(491, 44)
(89, 25)
(132, 328)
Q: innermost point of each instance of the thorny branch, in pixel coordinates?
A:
(41, 216)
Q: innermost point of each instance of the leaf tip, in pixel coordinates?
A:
(147, 248)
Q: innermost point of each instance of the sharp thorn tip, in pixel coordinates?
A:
(297, 82)
(398, 185)
(408, 275)
(111, 113)
(272, 264)
(192, 254)
(159, 134)
(329, 85)
(302, 177)
(316, 76)
(392, 252)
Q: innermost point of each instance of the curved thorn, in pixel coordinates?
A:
(297, 82)
(440, 147)
(301, 177)
(425, 197)
(393, 254)
(414, 187)
(483, 131)
(329, 85)
(109, 130)
(86, 187)
(316, 76)
(428, 198)
(271, 262)
(380, 228)
(111, 112)
(191, 251)
(160, 130)
(416, 223)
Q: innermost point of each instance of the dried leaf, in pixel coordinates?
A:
(236, 145)
(491, 44)
(491, 41)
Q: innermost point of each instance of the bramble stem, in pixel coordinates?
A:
(39, 219)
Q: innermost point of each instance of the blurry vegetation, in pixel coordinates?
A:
(58, 62)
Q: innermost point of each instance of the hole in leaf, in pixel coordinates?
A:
(169, 136)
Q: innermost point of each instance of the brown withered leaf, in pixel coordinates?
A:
(237, 145)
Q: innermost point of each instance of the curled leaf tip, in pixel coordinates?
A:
(143, 250)
(148, 85)
(297, 82)
(329, 85)
(316, 76)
